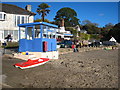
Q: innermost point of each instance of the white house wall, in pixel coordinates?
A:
(9, 24)
(31, 19)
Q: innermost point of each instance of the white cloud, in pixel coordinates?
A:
(101, 14)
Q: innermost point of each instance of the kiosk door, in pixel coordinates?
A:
(45, 46)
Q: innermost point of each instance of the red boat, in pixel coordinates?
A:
(31, 63)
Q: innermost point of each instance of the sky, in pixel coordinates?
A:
(97, 12)
(59, 0)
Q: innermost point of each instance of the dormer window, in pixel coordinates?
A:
(2, 16)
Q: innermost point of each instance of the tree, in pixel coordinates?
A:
(73, 31)
(106, 31)
(45, 20)
(40, 20)
(43, 10)
(91, 28)
(69, 15)
(109, 26)
(84, 36)
(115, 32)
(87, 22)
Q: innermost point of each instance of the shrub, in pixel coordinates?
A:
(11, 45)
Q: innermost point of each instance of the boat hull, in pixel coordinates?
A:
(31, 63)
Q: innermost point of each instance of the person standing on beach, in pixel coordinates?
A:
(73, 47)
(77, 45)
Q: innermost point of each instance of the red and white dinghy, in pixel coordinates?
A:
(31, 63)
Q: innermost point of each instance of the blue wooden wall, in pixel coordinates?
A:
(36, 45)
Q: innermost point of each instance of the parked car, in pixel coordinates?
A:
(109, 43)
(58, 46)
(95, 44)
(65, 44)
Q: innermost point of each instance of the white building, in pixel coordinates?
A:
(62, 33)
(10, 17)
(66, 34)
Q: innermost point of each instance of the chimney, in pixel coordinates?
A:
(28, 7)
(62, 28)
(62, 24)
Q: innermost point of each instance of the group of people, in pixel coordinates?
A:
(75, 47)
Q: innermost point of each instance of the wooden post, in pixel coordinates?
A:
(33, 32)
(19, 33)
(26, 32)
(41, 31)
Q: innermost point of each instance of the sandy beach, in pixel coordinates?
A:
(88, 69)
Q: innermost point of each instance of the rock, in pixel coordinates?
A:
(61, 63)
(80, 62)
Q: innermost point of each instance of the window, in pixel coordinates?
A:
(6, 33)
(44, 27)
(11, 32)
(15, 20)
(23, 19)
(26, 19)
(20, 19)
(2, 15)
(15, 34)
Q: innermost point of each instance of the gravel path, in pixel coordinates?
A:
(91, 69)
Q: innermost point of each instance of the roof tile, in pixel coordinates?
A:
(13, 9)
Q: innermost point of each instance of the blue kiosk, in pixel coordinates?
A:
(37, 37)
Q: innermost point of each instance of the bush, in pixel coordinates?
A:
(84, 36)
(93, 36)
(12, 45)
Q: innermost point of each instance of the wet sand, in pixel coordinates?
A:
(91, 69)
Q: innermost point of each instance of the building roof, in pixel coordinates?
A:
(68, 34)
(112, 39)
(38, 23)
(13, 9)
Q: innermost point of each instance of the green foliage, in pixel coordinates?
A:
(46, 20)
(40, 20)
(115, 32)
(42, 10)
(69, 15)
(43, 6)
(106, 32)
(84, 36)
(92, 36)
(87, 22)
(72, 30)
(12, 45)
(91, 28)
(109, 26)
